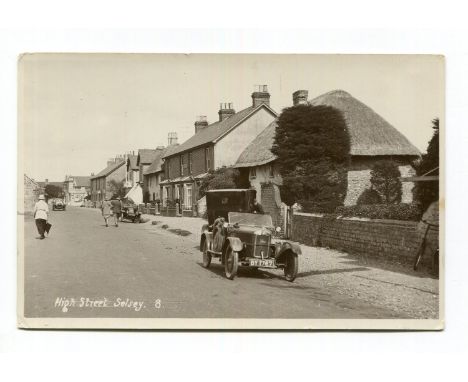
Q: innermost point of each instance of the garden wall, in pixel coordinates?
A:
(389, 239)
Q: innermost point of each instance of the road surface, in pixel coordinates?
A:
(85, 269)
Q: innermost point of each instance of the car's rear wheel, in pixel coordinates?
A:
(291, 266)
(206, 255)
(231, 263)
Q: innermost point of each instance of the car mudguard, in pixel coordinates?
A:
(206, 236)
(288, 246)
(235, 243)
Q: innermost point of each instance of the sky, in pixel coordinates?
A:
(78, 110)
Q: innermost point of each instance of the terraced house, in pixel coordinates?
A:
(101, 183)
(213, 146)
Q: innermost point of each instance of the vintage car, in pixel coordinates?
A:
(130, 211)
(238, 237)
(58, 204)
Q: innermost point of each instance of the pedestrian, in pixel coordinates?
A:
(116, 209)
(256, 207)
(41, 215)
(106, 208)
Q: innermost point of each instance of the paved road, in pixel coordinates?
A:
(138, 270)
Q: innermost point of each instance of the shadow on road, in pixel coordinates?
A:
(330, 271)
(386, 265)
(246, 272)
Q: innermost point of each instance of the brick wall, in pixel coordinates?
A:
(271, 203)
(389, 239)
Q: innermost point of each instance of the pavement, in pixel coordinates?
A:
(85, 269)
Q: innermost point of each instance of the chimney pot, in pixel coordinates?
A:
(225, 111)
(200, 123)
(260, 95)
(300, 97)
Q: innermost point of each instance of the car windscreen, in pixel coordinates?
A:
(250, 219)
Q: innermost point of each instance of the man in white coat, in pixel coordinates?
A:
(41, 214)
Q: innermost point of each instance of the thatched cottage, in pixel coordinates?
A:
(372, 138)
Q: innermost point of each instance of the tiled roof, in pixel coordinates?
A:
(146, 156)
(82, 181)
(156, 166)
(216, 130)
(108, 170)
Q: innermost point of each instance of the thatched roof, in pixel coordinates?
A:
(258, 151)
(369, 133)
(217, 130)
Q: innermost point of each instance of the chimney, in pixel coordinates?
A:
(225, 111)
(260, 95)
(300, 97)
(46, 181)
(200, 123)
(172, 139)
(110, 162)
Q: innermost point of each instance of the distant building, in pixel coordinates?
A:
(101, 183)
(76, 189)
(213, 146)
(144, 159)
(153, 174)
(133, 171)
(371, 138)
(32, 190)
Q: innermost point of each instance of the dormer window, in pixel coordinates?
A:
(253, 173)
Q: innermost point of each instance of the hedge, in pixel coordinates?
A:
(400, 211)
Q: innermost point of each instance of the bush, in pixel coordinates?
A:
(400, 211)
(385, 179)
(312, 148)
(369, 196)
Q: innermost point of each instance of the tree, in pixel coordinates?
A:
(224, 177)
(53, 191)
(385, 180)
(116, 188)
(312, 147)
(428, 192)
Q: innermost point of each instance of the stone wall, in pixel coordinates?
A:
(359, 175)
(389, 239)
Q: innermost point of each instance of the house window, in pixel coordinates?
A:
(188, 197)
(181, 165)
(207, 159)
(168, 175)
(190, 163)
(253, 172)
(271, 171)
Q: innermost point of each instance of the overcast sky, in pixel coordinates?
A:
(77, 111)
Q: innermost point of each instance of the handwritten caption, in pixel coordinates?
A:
(65, 303)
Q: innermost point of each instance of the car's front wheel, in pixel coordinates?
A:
(291, 266)
(206, 255)
(231, 263)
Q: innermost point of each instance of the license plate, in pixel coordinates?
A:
(262, 263)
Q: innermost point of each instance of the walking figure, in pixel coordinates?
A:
(41, 214)
(106, 208)
(116, 210)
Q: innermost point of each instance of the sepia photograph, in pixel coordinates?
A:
(231, 191)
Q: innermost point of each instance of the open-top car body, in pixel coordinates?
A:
(238, 237)
(58, 204)
(130, 211)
